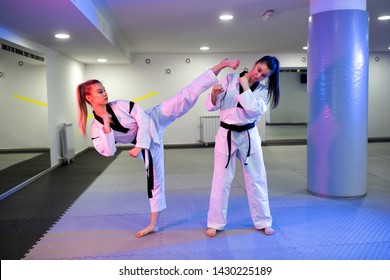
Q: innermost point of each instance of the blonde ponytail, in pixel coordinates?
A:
(82, 109)
(82, 91)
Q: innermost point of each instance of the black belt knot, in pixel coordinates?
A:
(237, 128)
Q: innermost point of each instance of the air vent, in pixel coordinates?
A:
(21, 52)
(293, 70)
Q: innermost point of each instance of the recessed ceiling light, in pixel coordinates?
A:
(387, 17)
(305, 48)
(226, 17)
(204, 48)
(102, 60)
(62, 36)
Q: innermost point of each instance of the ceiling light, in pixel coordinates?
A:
(305, 48)
(204, 48)
(267, 15)
(102, 60)
(62, 36)
(384, 18)
(226, 17)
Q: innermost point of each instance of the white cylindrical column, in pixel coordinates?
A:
(338, 98)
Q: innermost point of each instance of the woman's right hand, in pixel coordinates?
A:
(244, 82)
(106, 120)
(134, 152)
(217, 89)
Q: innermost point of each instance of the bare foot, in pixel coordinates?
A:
(211, 232)
(232, 63)
(269, 230)
(148, 230)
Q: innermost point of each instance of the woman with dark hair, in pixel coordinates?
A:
(125, 122)
(242, 100)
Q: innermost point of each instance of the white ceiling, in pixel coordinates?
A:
(114, 29)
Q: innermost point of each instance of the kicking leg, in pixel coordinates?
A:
(183, 101)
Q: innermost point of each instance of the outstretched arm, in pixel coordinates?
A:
(232, 63)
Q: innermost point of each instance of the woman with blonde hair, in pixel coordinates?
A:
(125, 122)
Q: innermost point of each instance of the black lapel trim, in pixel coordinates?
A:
(131, 106)
(253, 87)
(116, 125)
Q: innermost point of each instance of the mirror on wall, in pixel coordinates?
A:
(24, 143)
(288, 122)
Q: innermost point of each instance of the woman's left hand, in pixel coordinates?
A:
(134, 152)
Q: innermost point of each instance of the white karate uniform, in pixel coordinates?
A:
(147, 127)
(254, 105)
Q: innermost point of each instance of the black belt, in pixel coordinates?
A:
(237, 128)
(150, 173)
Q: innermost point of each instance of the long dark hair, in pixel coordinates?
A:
(273, 80)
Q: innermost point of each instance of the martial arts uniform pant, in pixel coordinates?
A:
(255, 183)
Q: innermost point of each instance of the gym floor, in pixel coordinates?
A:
(92, 208)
